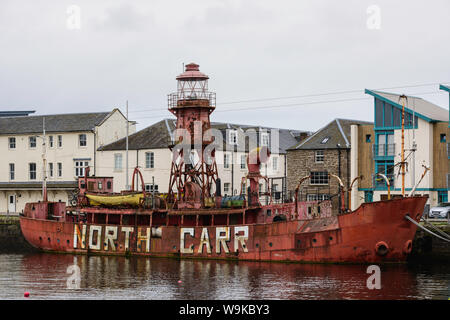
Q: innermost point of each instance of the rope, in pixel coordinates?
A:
(425, 229)
(442, 233)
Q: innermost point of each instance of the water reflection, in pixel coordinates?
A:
(45, 277)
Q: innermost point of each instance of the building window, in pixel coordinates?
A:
(50, 169)
(264, 139)
(149, 160)
(226, 187)
(82, 140)
(32, 170)
(368, 196)
(12, 171)
(385, 146)
(233, 137)
(442, 196)
(319, 177)
(149, 187)
(386, 168)
(59, 169)
(12, 143)
(226, 160)
(32, 142)
(80, 167)
(243, 161)
(99, 185)
(368, 138)
(50, 141)
(319, 157)
(59, 141)
(118, 161)
(317, 197)
(275, 163)
(443, 137)
(325, 140)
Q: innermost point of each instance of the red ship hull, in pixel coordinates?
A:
(374, 233)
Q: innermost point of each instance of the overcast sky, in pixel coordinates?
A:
(251, 49)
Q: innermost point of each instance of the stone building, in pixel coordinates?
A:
(325, 152)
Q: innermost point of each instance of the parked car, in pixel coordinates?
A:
(441, 211)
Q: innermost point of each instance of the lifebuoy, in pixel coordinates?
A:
(407, 248)
(381, 248)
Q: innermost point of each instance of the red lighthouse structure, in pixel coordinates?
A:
(192, 175)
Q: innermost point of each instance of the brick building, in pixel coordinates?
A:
(325, 152)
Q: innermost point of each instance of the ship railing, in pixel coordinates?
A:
(179, 98)
(379, 182)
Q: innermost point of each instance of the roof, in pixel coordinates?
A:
(444, 87)
(68, 122)
(158, 136)
(15, 113)
(422, 108)
(51, 185)
(334, 133)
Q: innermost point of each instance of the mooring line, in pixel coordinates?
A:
(425, 229)
(442, 233)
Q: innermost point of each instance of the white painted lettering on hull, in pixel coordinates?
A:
(79, 236)
(240, 238)
(143, 238)
(204, 240)
(222, 236)
(98, 241)
(127, 231)
(110, 236)
(183, 232)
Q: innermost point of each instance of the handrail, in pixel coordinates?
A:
(387, 182)
(350, 190)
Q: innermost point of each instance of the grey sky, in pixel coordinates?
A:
(250, 49)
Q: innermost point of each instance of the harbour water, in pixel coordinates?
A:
(50, 276)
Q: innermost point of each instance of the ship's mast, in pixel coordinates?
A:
(402, 163)
(44, 163)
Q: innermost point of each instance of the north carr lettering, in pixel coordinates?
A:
(237, 236)
(110, 235)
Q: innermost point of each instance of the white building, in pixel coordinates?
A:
(377, 149)
(71, 141)
(148, 149)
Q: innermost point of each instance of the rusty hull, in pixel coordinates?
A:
(374, 233)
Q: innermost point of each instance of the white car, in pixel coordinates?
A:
(441, 211)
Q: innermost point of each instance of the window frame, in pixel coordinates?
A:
(116, 157)
(30, 171)
(50, 169)
(59, 169)
(226, 160)
(243, 162)
(317, 156)
(150, 162)
(30, 139)
(12, 173)
(80, 140)
(264, 137)
(321, 177)
(9, 143)
(274, 163)
(80, 167)
(232, 137)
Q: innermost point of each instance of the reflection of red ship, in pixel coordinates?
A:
(193, 221)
